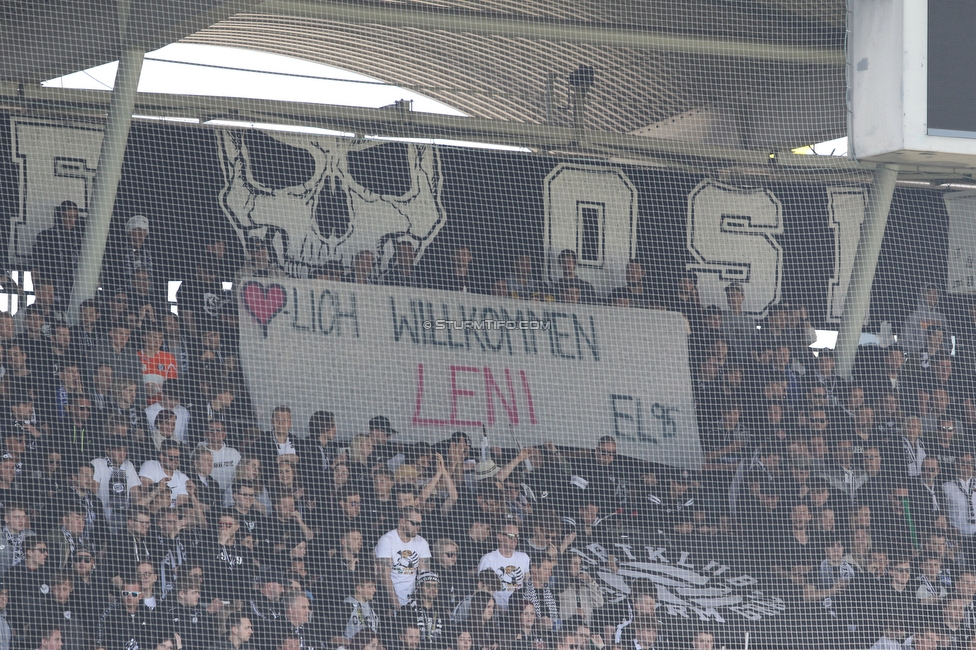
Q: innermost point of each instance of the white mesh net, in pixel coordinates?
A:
(510, 330)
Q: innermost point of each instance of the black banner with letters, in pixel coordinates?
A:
(318, 199)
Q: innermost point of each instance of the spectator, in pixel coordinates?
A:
(259, 263)
(738, 328)
(401, 555)
(380, 433)
(147, 305)
(523, 284)
(206, 489)
(568, 262)
(539, 592)
(101, 389)
(409, 636)
(278, 443)
(266, 606)
(224, 459)
(286, 530)
(176, 540)
(424, 609)
(211, 359)
(296, 621)
(132, 546)
(135, 254)
(164, 472)
(319, 451)
(168, 399)
(247, 509)
(928, 501)
(157, 364)
(290, 483)
(147, 583)
(959, 498)
(355, 615)
(51, 638)
(216, 407)
(55, 252)
(68, 384)
(363, 268)
(523, 628)
(164, 429)
(249, 471)
(75, 436)
(176, 343)
(25, 582)
(510, 565)
(193, 623)
(452, 583)
(15, 531)
(926, 314)
(6, 634)
(908, 451)
(581, 597)
(484, 618)
(116, 481)
(73, 534)
(347, 564)
(952, 628)
(239, 632)
(457, 276)
(931, 592)
(114, 351)
(402, 269)
(228, 560)
(634, 293)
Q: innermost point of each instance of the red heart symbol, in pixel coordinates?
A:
(264, 303)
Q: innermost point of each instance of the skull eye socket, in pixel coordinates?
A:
(332, 214)
(383, 169)
(275, 165)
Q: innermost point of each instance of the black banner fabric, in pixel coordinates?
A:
(783, 241)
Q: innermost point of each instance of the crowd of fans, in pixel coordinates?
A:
(143, 508)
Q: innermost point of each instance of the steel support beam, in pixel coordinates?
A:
(547, 30)
(107, 176)
(385, 122)
(865, 262)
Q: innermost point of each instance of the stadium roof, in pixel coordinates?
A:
(765, 75)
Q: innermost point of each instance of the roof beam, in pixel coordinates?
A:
(396, 123)
(548, 30)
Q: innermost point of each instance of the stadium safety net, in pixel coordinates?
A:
(594, 336)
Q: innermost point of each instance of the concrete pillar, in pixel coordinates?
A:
(106, 179)
(865, 262)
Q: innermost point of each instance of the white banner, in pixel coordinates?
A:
(435, 362)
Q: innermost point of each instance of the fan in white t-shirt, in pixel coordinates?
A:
(509, 565)
(401, 555)
(116, 481)
(170, 401)
(165, 470)
(225, 457)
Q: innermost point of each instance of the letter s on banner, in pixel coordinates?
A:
(731, 234)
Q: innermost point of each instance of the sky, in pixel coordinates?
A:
(210, 70)
(187, 69)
